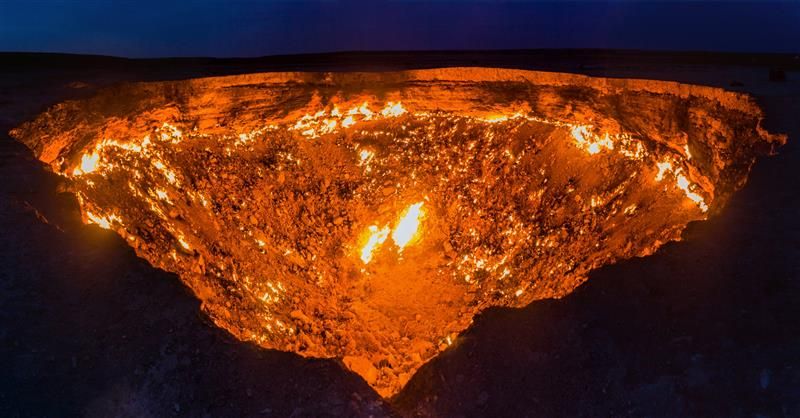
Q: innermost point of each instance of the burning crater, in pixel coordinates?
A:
(371, 216)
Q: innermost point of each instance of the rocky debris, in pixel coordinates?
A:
(363, 367)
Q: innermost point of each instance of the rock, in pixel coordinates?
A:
(447, 247)
(300, 316)
(362, 367)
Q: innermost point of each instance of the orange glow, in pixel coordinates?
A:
(393, 110)
(408, 226)
(102, 221)
(376, 238)
(591, 143)
(89, 164)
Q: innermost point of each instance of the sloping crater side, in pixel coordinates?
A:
(370, 216)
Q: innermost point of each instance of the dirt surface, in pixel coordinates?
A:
(703, 327)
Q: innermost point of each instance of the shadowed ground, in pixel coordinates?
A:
(704, 327)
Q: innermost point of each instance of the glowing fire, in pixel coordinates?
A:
(406, 228)
(393, 110)
(376, 238)
(324, 122)
(405, 231)
(88, 164)
(102, 221)
(681, 182)
(364, 157)
(591, 143)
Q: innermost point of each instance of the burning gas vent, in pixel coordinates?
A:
(371, 216)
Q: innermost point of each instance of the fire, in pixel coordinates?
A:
(89, 163)
(393, 110)
(407, 226)
(663, 168)
(102, 221)
(318, 124)
(376, 238)
(496, 118)
(404, 232)
(681, 182)
(593, 144)
(365, 156)
(363, 110)
(348, 121)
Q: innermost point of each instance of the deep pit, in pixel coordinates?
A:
(371, 216)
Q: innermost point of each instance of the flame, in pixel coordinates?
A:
(682, 183)
(364, 110)
(348, 122)
(182, 241)
(376, 238)
(663, 168)
(364, 157)
(89, 163)
(393, 109)
(593, 144)
(102, 221)
(404, 232)
(497, 118)
(318, 124)
(170, 133)
(408, 225)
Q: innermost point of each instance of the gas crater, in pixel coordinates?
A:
(371, 216)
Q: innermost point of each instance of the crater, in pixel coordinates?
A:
(370, 216)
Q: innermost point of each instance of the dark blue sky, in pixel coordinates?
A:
(225, 28)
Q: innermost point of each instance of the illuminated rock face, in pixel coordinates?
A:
(370, 216)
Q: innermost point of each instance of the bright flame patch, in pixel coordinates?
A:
(407, 226)
(88, 164)
(376, 238)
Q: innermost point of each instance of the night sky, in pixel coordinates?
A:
(228, 28)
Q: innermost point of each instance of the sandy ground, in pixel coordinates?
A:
(705, 327)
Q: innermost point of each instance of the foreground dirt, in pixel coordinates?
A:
(701, 328)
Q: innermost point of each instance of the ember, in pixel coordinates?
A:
(320, 214)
